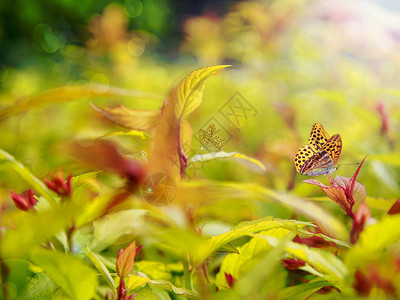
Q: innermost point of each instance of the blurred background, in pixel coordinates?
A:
(294, 63)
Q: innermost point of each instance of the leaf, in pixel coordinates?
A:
(35, 183)
(182, 100)
(211, 190)
(302, 291)
(248, 228)
(336, 193)
(136, 119)
(147, 293)
(263, 276)
(339, 191)
(189, 92)
(111, 227)
(374, 240)
(134, 282)
(39, 287)
(94, 209)
(154, 269)
(314, 212)
(248, 255)
(69, 93)
(103, 270)
(326, 238)
(126, 260)
(29, 230)
(331, 268)
(223, 154)
(395, 209)
(176, 290)
(75, 278)
(143, 135)
(83, 184)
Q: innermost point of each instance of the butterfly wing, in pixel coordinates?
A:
(320, 163)
(209, 138)
(218, 142)
(333, 147)
(302, 156)
(318, 137)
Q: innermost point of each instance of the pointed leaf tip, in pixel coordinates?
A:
(189, 92)
(126, 260)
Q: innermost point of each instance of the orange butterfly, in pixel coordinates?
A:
(320, 155)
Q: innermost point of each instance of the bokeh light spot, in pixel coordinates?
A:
(133, 8)
(136, 46)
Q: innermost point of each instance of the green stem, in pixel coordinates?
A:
(186, 272)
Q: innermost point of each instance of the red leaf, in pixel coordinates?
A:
(395, 209)
(104, 155)
(335, 193)
(126, 259)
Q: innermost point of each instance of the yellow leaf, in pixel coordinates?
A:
(189, 92)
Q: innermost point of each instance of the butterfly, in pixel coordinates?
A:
(320, 155)
(210, 139)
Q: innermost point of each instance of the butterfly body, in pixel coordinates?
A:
(321, 153)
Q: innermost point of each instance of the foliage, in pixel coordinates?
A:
(109, 191)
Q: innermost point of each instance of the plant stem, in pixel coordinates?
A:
(186, 272)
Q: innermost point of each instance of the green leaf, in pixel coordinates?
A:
(29, 230)
(264, 277)
(374, 240)
(82, 185)
(249, 228)
(134, 282)
(37, 185)
(93, 210)
(75, 278)
(302, 291)
(176, 290)
(136, 119)
(70, 93)
(154, 269)
(248, 255)
(39, 287)
(222, 154)
(111, 227)
(147, 293)
(326, 263)
(102, 269)
(189, 92)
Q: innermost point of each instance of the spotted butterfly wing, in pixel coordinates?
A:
(333, 147)
(318, 137)
(302, 156)
(210, 140)
(321, 153)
